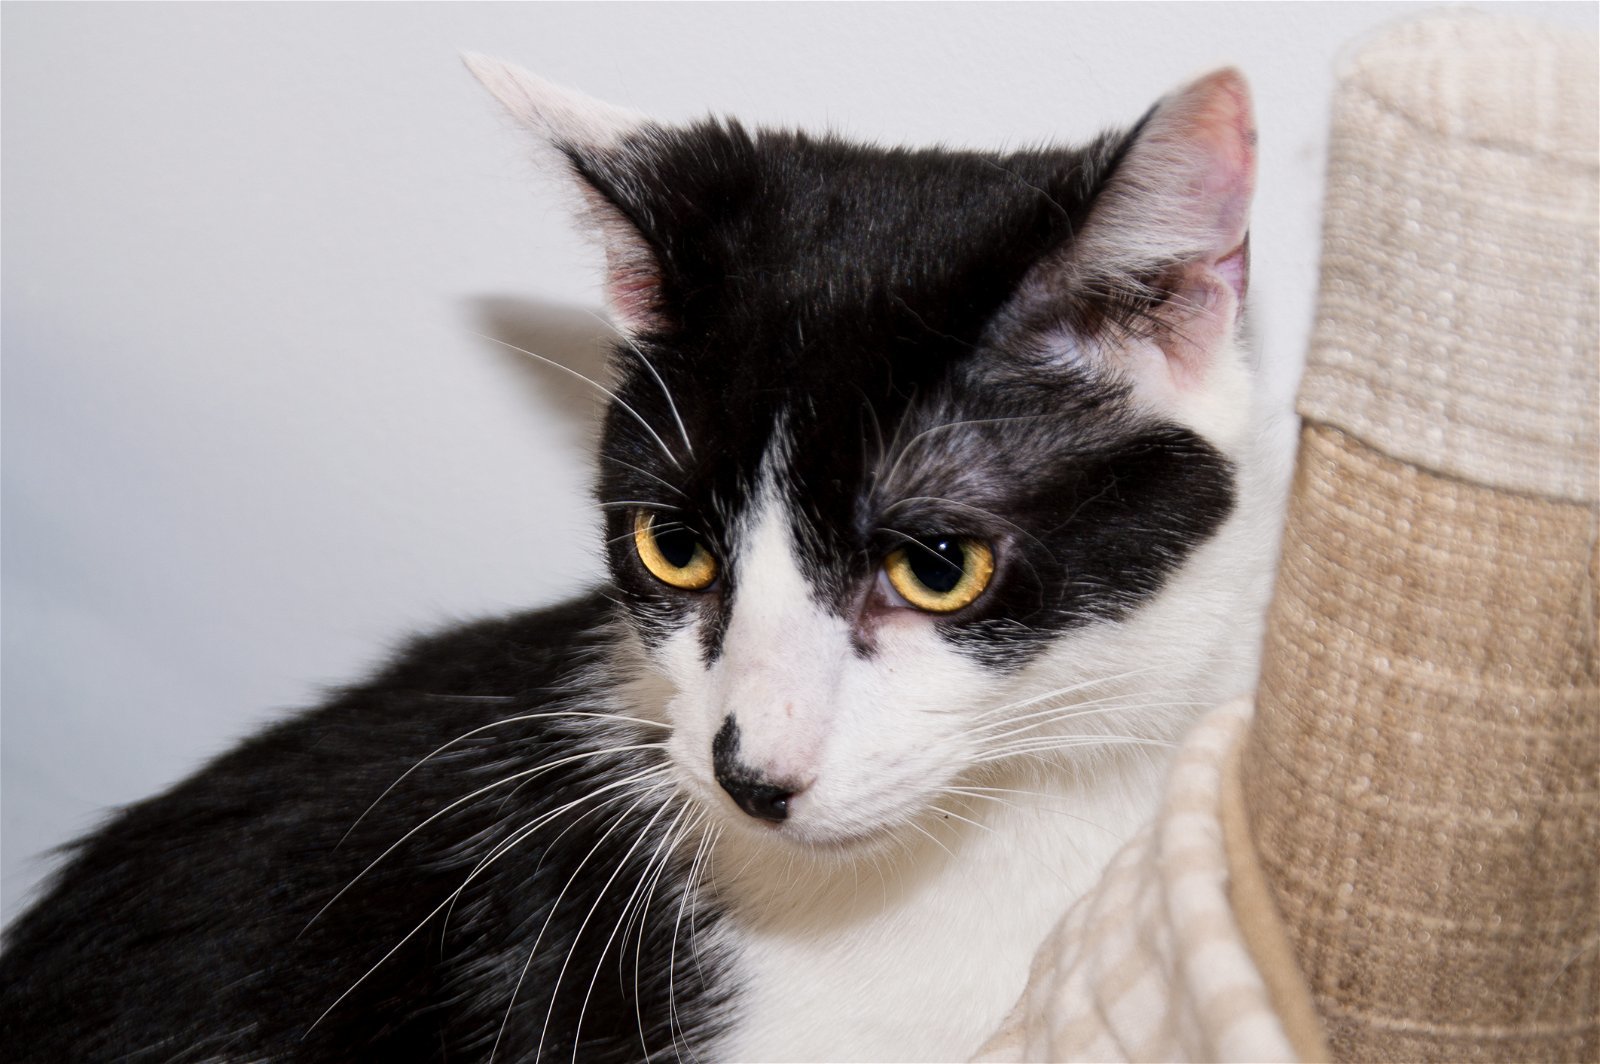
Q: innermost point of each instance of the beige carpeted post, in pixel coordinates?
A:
(1422, 778)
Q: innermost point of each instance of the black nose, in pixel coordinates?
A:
(762, 800)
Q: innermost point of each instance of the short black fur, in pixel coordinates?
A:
(848, 303)
(836, 312)
(189, 928)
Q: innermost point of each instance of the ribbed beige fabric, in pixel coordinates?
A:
(1459, 243)
(1261, 929)
(1151, 964)
(1422, 777)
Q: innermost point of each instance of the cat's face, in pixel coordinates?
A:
(902, 438)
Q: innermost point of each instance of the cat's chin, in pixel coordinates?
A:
(823, 842)
(802, 836)
(819, 845)
(848, 846)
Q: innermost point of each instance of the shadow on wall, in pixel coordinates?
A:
(553, 348)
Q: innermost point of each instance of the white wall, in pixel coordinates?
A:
(251, 431)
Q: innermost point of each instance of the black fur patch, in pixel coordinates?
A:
(185, 931)
(851, 297)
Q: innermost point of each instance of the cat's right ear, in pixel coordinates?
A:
(1152, 284)
(589, 139)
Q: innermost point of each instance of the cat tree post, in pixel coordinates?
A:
(1422, 777)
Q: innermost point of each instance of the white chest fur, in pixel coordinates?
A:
(919, 954)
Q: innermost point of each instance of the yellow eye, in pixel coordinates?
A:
(673, 554)
(940, 574)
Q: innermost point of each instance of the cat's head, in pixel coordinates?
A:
(904, 439)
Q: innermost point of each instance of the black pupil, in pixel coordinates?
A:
(937, 562)
(676, 544)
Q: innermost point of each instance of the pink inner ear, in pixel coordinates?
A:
(1214, 114)
(1197, 321)
(1234, 268)
(1197, 163)
(633, 278)
(633, 292)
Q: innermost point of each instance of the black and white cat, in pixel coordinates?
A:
(933, 512)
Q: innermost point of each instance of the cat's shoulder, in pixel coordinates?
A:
(460, 694)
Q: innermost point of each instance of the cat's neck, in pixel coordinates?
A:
(1037, 817)
(869, 955)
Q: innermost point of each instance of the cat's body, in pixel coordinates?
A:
(933, 512)
(186, 930)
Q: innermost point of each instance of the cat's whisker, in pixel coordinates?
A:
(1008, 716)
(657, 778)
(629, 913)
(1080, 739)
(1044, 866)
(1083, 505)
(950, 425)
(655, 775)
(930, 837)
(555, 990)
(630, 909)
(1053, 743)
(698, 828)
(634, 504)
(555, 905)
(632, 748)
(520, 718)
(957, 816)
(1097, 681)
(972, 792)
(523, 775)
(666, 392)
(674, 1025)
(694, 935)
(991, 794)
(407, 937)
(979, 510)
(646, 473)
(883, 881)
(877, 434)
(665, 450)
(642, 916)
(1047, 717)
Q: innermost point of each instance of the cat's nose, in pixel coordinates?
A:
(764, 801)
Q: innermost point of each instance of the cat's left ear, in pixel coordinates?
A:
(589, 139)
(1167, 234)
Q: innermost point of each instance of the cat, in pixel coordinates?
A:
(933, 513)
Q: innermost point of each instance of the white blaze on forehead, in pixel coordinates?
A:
(782, 653)
(768, 567)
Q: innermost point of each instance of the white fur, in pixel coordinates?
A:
(555, 114)
(914, 947)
